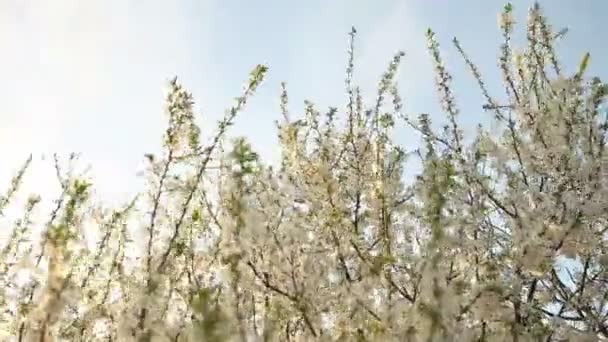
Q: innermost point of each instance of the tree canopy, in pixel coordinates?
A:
(503, 237)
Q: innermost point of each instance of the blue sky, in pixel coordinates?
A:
(89, 76)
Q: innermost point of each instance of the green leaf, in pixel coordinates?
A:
(582, 67)
(196, 215)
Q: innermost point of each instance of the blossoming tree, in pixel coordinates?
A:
(502, 238)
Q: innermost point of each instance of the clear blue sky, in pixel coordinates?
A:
(89, 76)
